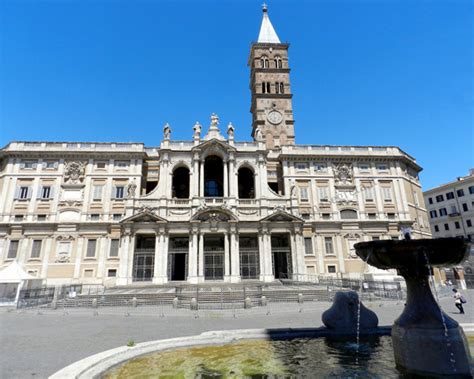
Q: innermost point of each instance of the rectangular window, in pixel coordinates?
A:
(391, 216)
(464, 207)
(50, 165)
(119, 192)
(446, 226)
(117, 216)
(304, 193)
(454, 210)
(41, 217)
(301, 166)
(469, 223)
(308, 246)
(23, 192)
(45, 192)
(364, 167)
(375, 238)
(29, 165)
(443, 212)
(368, 194)
(111, 272)
(471, 189)
(326, 216)
(382, 167)
(323, 193)
(387, 194)
(91, 245)
(433, 214)
(460, 192)
(97, 192)
(114, 248)
(372, 216)
(19, 217)
(450, 195)
(13, 249)
(331, 269)
(101, 165)
(320, 167)
(95, 217)
(457, 225)
(36, 249)
(430, 200)
(436, 228)
(328, 246)
(439, 198)
(122, 164)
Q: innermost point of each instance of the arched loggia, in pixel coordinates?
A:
(181, 183)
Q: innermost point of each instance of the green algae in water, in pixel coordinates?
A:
(238, 360)
(309, 358)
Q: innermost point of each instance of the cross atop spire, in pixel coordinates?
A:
(267, 32)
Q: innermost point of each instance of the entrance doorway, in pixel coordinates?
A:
(213, 257)
(178, 258)
(281, 256)
(143, 259)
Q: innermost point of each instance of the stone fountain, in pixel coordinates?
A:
(425, 339)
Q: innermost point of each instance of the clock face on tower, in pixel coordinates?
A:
(274, 117)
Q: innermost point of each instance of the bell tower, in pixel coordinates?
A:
(271, 108)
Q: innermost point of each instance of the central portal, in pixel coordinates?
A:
(178, 258)
(281, 256)
(213, 257)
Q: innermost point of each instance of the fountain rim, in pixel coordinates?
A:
(94, 366)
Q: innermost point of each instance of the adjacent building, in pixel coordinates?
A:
(451, 208)
(210, 208)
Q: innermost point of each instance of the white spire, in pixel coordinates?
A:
(267, 33)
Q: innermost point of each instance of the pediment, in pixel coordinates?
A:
(215, 144)
(216, 214)
(144, 216)
(281, 216)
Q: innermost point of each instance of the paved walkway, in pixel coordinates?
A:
(35, 344)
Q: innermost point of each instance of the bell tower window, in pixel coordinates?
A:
(278, 62)
(264, 62)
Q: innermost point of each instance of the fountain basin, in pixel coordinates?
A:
(413, 256)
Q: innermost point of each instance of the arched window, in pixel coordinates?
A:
(263, 87)
(282, 88)
(213, 177)
(268, 87)
(277, 87)
(348, 214)
(264, 62)
(180, 184)
(246, 183)
(278, 62)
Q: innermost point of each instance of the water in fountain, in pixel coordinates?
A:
(445, 327)
(358, 313)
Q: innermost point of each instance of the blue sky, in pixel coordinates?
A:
(383, 72)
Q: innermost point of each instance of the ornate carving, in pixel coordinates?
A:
(70, 203)
(197, 130)
(74, 172)
(145, 209)
(343, 173)
(230, 130)
(65, 237)
(179, 212)
(248, 212)
(62, 257)
(131, 188)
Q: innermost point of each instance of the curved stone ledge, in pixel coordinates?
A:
(95, 365)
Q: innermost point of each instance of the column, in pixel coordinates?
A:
(300, 255)
(267, 243)
(232, 178)
(164, 257)
(201, 257)
(340, 253)
(157, 266)
(234, 257)
(77, 263)
(379, 199)
(261, 256)
(201, 179)
(193, 257)
(130, 253)
(195, 179)
(102, 248)
(320, 251)
(226, 179)
(294, 259)
(226, 257)
(45, 257)
(123, 263)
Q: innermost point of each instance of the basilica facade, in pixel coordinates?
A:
(210, 208)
